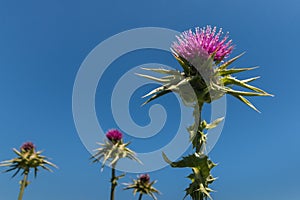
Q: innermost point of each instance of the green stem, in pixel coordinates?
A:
(23, 185)
(141, 195)
(199, 142)
(113, 183)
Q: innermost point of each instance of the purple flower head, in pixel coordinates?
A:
(197, 46)
(144, 178)
(27, 146)
(114, 135)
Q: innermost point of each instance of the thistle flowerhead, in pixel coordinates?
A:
(113, 149)
(114, 135)
(142, 185)
(197, 46)
(144, 178)
(27, 146)
(201, 54)
(27, 158)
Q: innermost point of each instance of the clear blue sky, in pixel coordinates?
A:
(43, 43)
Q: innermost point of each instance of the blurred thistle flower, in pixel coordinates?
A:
(144, 178)
(27, 146)
(114, 135)
(27, 158)
(143, 186)
(113, 149)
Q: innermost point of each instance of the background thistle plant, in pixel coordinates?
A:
(27, 158)
(113, 150)
(201, 55)
(142, 185)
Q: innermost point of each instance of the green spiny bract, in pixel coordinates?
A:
(113, 152)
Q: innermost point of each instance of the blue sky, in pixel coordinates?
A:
(42, 45)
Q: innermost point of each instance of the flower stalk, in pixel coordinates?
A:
(24, 184)
(113, 183)
(140, 196)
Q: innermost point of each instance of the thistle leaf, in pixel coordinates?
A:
(191, 161)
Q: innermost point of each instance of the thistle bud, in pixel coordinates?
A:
(27, 146)
(114, 135)
(144, 178)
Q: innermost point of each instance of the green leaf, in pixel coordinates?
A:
(192, 161)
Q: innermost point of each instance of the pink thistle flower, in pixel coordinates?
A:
(27, 146)
(197, 46)
(114, 135)
(144, 178)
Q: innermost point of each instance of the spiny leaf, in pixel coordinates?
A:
(205, 191)
(166, 158)
(156, 90)
(163, 71)
(226, 64)
(156, 96)
(17, 152)
(250, 79)
(228, 80)
(247, 102)
(160, 80)
(192, 161)
(243, 93)
(184, 63)
(234, 70)
(237, 92)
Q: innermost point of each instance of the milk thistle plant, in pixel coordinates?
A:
(27, 158)
(113, 150)
(142, 185)
(202, 53)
